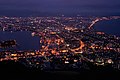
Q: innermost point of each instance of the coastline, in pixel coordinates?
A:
(114, 26)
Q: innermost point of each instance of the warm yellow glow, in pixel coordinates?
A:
(13, 54)
(64, 51)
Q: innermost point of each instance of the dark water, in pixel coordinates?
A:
(24, 39)
(110, 27)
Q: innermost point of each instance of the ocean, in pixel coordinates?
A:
(24, 39)
(108, 26)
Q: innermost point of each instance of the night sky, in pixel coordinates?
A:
(58, 7)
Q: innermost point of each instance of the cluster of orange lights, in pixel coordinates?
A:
(100, 32)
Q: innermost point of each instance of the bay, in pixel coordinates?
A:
(108, 26)
(23, 38)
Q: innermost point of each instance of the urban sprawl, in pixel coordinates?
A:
(66, 43)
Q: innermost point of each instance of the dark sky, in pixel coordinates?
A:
(57, 7)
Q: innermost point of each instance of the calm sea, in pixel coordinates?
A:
(24, 39)
(109, 26)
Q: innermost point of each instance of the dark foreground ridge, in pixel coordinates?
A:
(15, 71)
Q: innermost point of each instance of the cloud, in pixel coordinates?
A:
(61, 6)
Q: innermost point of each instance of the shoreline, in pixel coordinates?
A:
(102, 26)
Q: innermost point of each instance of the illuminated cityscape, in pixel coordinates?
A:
(59, 39)
(66, 43)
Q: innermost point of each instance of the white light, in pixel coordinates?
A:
(75, 60)
(81, 51)
(66, 62)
